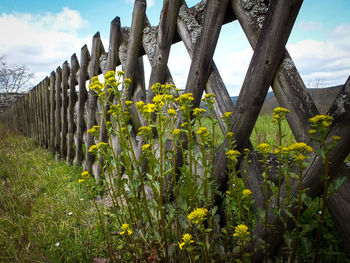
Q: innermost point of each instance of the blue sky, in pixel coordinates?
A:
(43, 34)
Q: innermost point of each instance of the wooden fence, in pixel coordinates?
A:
(47, 113)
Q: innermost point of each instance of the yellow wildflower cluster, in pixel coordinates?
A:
(94, 131)
(209, 99)
(127, 82)
(229, 135)
(102, 145)
(185, 99)
(279, 113)
(125, 229)
(171, 112)
(128, 103)
(145, 130)
(187, 240)
(84, 176)
(299, 150)
(198, 215)
(95, 85)
(120, 73)
(139, 105)
(233, 154)
(203, 131)
(246, 192)
(321, 121)
(110, 78)
(145, 147)
(263, 148)
(93, 148)
(198, 112)
(176, 131)
(241, 231)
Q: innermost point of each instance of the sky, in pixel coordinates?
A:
(43, 34)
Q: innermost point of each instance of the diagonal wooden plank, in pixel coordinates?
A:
(204, 50)
(165, 37)
(287, 82)
(186, 25)
(260, 74)
(134, 42)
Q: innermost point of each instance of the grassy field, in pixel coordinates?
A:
(46, 216)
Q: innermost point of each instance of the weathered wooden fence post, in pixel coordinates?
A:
(64, 121)
(52, 112)
(81, 126)
(71, 108)
(94, 69)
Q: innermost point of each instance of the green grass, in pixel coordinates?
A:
(265, 131)
(46, 216)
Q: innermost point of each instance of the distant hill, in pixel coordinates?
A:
(323, 98)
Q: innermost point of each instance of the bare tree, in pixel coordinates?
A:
(13, 78)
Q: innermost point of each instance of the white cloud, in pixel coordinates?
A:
(41, 42)
(327, 60)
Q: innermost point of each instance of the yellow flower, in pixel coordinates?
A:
(227, 114)
(139, 105)
(321, 120)
(158, 99)
(233, 154)
(181, 245)
(203, 131)
(120, 73)
(144, 130)
(81, 180)
(187, 240)
(198, 215)
(336, 138)
(185, 98)
(264, 148)
(85, 175)
(228, 192)
(168, 97)
(128, 103)
(93, 148)
(183, 125)
(279, 113)
(300, 147)
(127, 82)
(145, 147)
(149, 108)
(125, 229)
(312, 131)
(299, 157)
(102, 145)
(94, 130)
(171, 112)
(176, 132)
(246, 192)
(209, 95)
(241, 231)
(110, 74)
(198, 112)
(229, 134)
